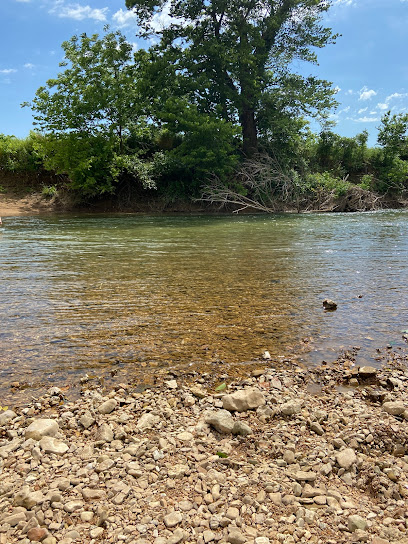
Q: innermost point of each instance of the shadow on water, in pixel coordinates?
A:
(80, 293)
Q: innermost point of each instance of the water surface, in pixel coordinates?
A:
(80, 293)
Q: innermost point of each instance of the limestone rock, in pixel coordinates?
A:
(290, 408)
(27, 498)
(173, 519)
(53, 445)
(395, 408)
(356, 522)
(40, 428)
(104, 433)
(243, 400)
(346, 458)
(221, 420)
(7, 416)
(108, 406)
(147, 421)
(241, 428)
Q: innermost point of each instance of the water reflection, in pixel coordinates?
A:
(80, 292)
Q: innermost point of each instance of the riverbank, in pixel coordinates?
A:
(277, 455)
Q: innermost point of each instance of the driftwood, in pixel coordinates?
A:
(261, 184)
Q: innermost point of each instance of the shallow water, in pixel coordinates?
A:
(82, 293)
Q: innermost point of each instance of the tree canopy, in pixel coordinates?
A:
(235, 58)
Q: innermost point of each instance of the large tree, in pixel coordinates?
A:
(236, 56)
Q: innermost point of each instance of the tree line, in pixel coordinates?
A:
(213, 110)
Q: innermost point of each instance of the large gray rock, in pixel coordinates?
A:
(241, 428)
(395, 408)
(243, 400)
(221, 420)
(346, 458)
(40, 428)
(52, 445)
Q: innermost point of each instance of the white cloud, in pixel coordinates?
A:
(396, 95)
(365, 120)
(164, 19)
(346, 3)
(362, 110)
(366, 93)
(28, 65)
(77, 12)
(382, 106)
(25, 1)
(350, 91)
(345, 110)
(125, 17)
(337, 89)
(8, 71)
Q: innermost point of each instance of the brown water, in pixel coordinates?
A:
(82, 294)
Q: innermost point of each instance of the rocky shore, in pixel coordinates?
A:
(280, 456)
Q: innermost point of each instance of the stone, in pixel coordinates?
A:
(261, 540)
(27, 498)
(104, 433)
(305, 476)
(395, 408)
(108, 406)
(241, 428)
(37, 534)
(93, 494)
(86, 420)
(147, 421)
(40, 428)
(346, 458)
(235, 536)
(243, 400)
(329, 304)
(221, 420)
(175, 538)
(96, 532)
(209, 536)
(185, 437)
(14, 519)
(53, 445)
(367, 371)
(290, 408)
(355, 522)
(6, 416)
(72, 506)
(172, 519)
(316, 428)
(171, 384)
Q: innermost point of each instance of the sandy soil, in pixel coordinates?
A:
(11, 205)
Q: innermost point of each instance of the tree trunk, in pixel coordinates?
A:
(249, 132)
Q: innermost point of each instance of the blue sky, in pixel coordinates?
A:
(368, 64)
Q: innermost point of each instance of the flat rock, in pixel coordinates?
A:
(395, 408)
(243, 400)
(235, 536)
(37, 534)
(52, 445)
(366, 371)
(40, 428)
(305, 476)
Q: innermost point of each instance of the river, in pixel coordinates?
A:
(83, 294)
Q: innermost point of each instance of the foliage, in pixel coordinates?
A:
(234, 58)
(49, 191)
(19, 155)
(393, 135)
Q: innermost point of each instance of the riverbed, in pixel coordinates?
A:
(130, 294)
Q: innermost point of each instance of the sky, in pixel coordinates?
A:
(368, 65)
